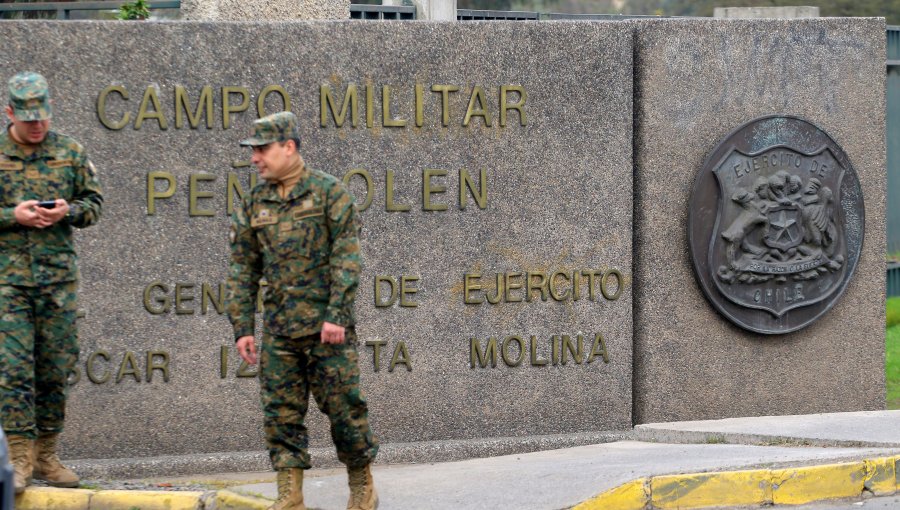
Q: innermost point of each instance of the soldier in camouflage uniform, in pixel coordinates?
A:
(298, 230)
(38, 277)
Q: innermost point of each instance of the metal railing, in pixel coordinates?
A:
(477, 15)
(893, 279)
(64, 10)
(382, 12)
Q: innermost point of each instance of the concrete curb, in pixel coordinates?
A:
(791, 486)
(49, 498)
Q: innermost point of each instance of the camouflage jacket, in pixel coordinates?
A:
(59, 168)
(306, 246)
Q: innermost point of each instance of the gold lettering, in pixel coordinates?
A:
(498, 288)
(152, 365)
(152, 194)
(245, 370)
(420, 108)
(468, 286)
(466, 182)
(566, 347)
(90, 367)
(182, 105)
(150, 97)
(510, 286)
(387, 120)
(428, 189)
(541, 284)
(392, 284)
(483, 357)
(223, 361)
(535, 361)
(376, 345)
(405, 291)
(481, 111)
(370, 106)
(101, 107)
(445, 91)
(389, 205)
(604, 286)
(217, 299)
(228, 108)
(195, 195)
(518, 106)
(182, 296)
(327, 102)
(234, 188)
(598, 349)
(164, 300)
(553, 291)
(504, 351)
(128, 367)
(370, 186)
(400, 357)
(272, 89)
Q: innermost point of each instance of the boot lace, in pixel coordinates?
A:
(357, 478)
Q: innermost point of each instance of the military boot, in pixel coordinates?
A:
(290, 490)
(20, 455)
(47, 465)
(362, 489)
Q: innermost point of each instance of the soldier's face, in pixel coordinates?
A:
(272, 160)
(28, 131)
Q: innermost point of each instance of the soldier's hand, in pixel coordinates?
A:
(332, 333)
(26, 214)
(54, 215)
(246, 346)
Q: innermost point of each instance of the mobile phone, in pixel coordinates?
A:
(47, 204)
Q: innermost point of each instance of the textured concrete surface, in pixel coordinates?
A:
(558, 198)
(696, 81)
(864, 428)
(390, 453)
(258, 10)
(784, 12)
(551, 479)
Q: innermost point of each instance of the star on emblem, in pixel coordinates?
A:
(783, 224)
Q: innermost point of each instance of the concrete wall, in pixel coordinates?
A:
(697, 81)
(560, 201)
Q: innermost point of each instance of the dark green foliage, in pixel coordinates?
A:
(137, 10)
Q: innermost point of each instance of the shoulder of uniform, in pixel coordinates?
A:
(327, 181)
(58, 140)
(262, 187)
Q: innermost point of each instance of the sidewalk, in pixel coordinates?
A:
(565, 478)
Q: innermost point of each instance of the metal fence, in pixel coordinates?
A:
(892, 98)
(476, 15)
(65, 10)
(382, 12)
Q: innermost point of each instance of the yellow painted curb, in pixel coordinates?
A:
(227, 500)
(145, 500)
(793, 486)
(881, 476)
(49, 498)
(804, 485)
(731, 488)
(634, 495)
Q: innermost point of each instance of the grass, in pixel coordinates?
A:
(892, 366)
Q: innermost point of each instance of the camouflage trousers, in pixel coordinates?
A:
(38, 351)
(291, 369)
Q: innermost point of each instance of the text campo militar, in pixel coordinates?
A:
(349, 107)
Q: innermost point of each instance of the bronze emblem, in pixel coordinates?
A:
(776, 224)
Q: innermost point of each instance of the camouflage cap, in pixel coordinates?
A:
(278, 127)
(29, 96)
